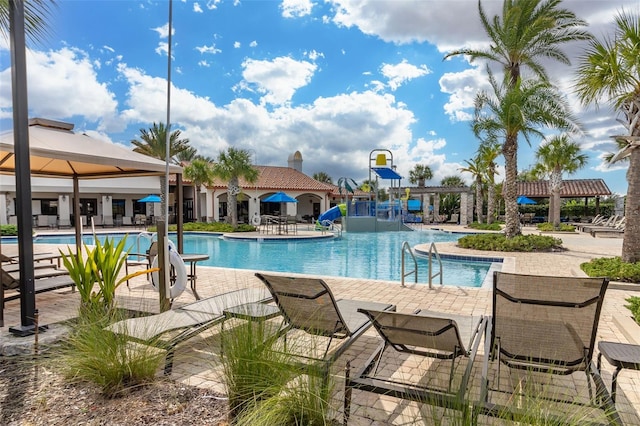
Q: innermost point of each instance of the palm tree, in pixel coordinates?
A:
(488, 152)
(153, 143)
(508, 112)
(610, 71)
(476, 168)
(419, 174)
(450, 202)
(555, 157)
(231, 166)
(529, 31)
(323, 177)
(188, 154)
(199, 172)
(36, 15)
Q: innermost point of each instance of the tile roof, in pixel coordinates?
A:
(278, 179)
(570, 188)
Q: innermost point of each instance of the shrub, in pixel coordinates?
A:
(8, 230)
(485, 226)
(92, 354)
(634, 307)
(547, 227)
(216, 227)
(614, 268)
(498, 242)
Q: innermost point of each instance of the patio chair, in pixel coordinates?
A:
(414, 337)
(308, 305)
(11, 284)
(546, 325)
(107, 221)
(170, 328)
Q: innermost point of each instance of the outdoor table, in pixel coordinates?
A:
(193, 259)
(620, 355)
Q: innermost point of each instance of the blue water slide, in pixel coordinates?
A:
(332, 214)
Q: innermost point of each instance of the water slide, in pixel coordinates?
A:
(332, 214)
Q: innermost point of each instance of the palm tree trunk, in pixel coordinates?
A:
(631, 242)
(491, 202)
(510, 153)
(555, 185)
(232, 198)
(479, 200)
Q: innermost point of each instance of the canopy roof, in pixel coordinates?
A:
(386, 173)
(570, 188)
(57, 151)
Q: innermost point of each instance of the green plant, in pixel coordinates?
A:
(495, 226)
(548, 227)
(634, 307)
(614, 268)
(92, 354)
(499, 242)
(8, 230)
(216, 227)
(100, 265)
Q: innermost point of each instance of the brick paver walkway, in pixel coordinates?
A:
(197, 361)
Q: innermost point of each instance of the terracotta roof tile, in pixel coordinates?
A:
(570, 188)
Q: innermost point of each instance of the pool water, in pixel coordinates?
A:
(356, 255)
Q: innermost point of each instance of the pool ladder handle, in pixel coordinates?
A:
(433, 252)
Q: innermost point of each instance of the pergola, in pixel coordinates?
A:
(571, 188)
(56, 151)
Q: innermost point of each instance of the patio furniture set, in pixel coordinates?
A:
(539, 325)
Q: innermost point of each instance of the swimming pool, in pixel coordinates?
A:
(356, 255)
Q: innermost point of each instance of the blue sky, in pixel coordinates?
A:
(333, 79)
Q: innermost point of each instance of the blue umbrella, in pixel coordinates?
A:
(280, 197)
(150, 199)
(525, 200)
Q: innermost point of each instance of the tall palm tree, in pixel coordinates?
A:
(509, 112)
(475, 167)
(558, 155)
(36, 16)
(528, 31)
(231, 166)
(610, 71)
(323, 177)
(450, 202)
(188, 154)
(153, 142)
(199, 172)
(488, 153)
(419, 174)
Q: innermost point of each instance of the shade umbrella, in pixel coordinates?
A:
(152, 198)
(280, 197)
(525, 200)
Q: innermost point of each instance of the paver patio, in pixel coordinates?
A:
(197, 363)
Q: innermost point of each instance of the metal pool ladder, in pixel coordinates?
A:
(433, 252)
(407, 249)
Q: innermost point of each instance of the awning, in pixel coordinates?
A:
(386, 173)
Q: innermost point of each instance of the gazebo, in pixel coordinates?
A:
(56, 151)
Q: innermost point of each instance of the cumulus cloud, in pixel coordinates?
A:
(66, 74)
(277, 79)
(296, 8)
(208, 49)
(463, 87)
(163, 31)
(401, 73)
(197, 8)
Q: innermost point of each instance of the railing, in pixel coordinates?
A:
(433, 252)
(330, 226)
(407, 249)
(140, 254)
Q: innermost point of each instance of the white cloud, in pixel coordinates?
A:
(296, 8)
(253, 43)
(213, 4)
(204, 63)
(63, 84)
(314, 55)
(277, 79)
(463, 87)
(162, 49)
(402, 72)
(197, 8)
(236, 45)
(163, 31)
(208, 49)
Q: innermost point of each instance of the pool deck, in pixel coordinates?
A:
(196, 361)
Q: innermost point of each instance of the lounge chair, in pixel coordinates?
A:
(11, 284)
(412, 338)
(107, 221)
(308, 305)
(546, 325)
(170, 328)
